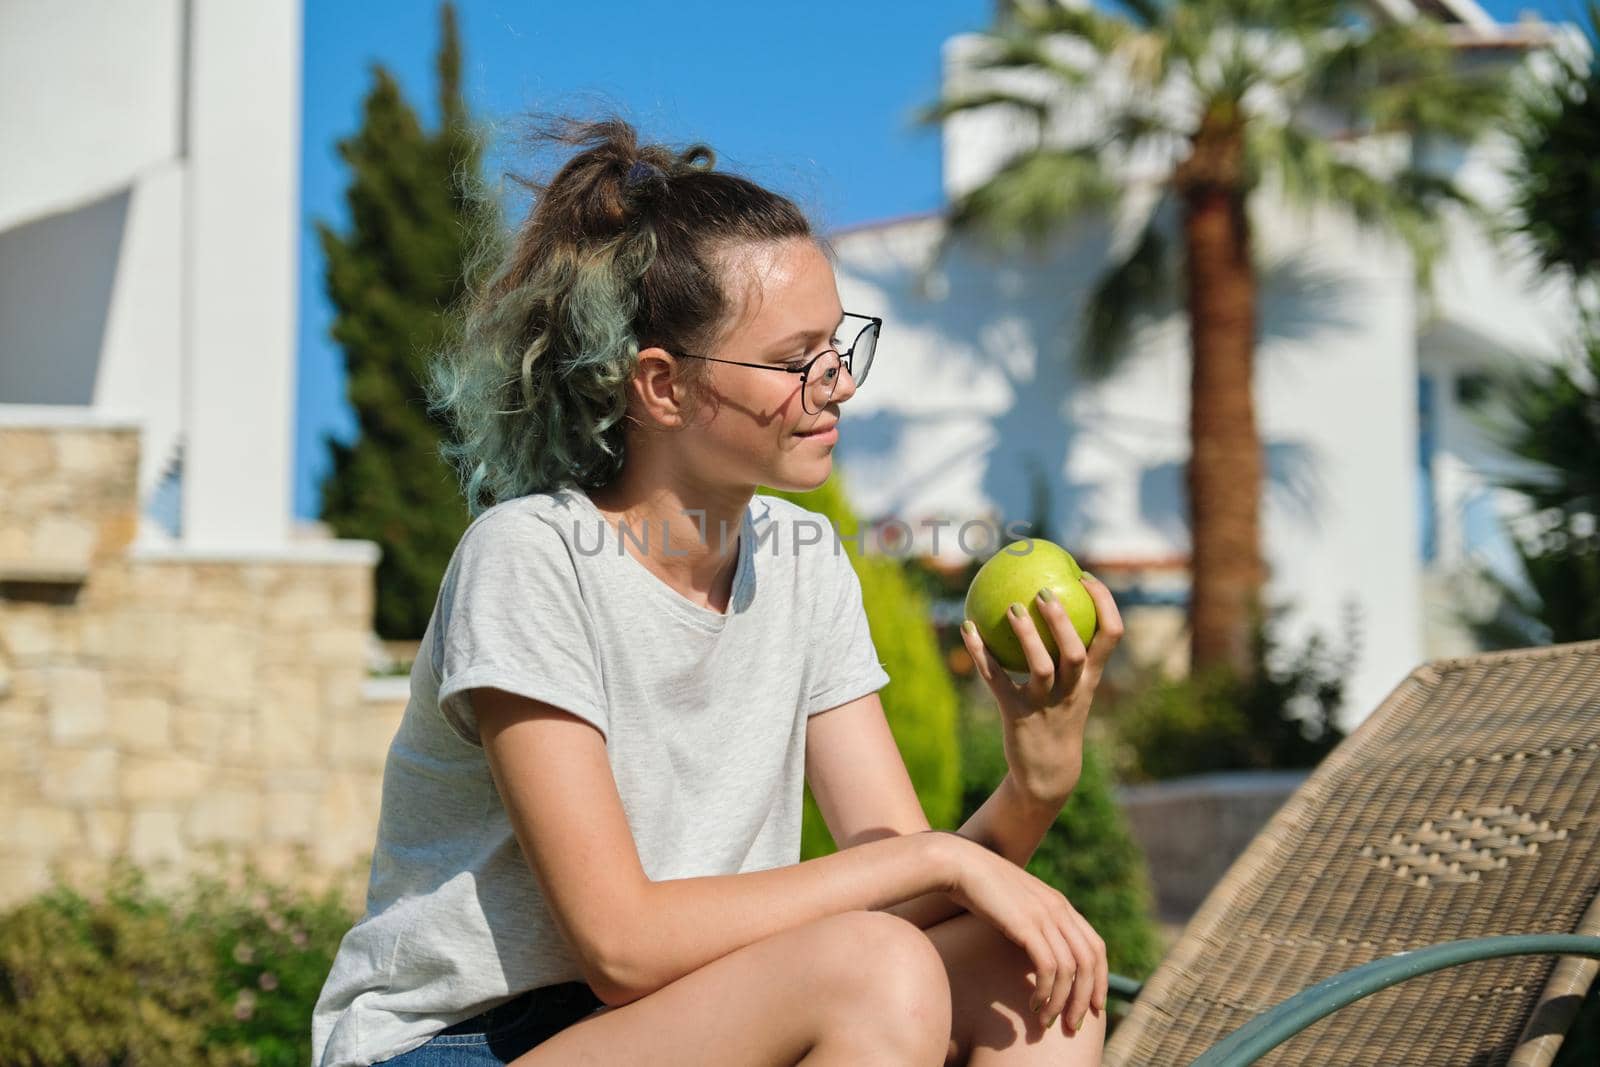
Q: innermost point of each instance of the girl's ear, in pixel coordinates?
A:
(655, 388)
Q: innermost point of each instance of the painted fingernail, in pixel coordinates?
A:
(1091, 577)
(1048, 1023)
(969, 627)
(1079, 1024)
(1018, 610)
(1047, 595)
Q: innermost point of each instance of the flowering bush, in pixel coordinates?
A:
(224, 973)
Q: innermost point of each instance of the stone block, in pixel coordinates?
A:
(349, 813)
(292, 815)
(140, 723)
(23, 719)
(160, 583)
(39, 830)
(65, 539)
(288, 734)
(291, 779)
(214, 734)
(341, 688)
(25, 455)
(155, 836)
(115, 532)
(79, 775)
(86, 453)
(339, 647)
(15, 538)
(162, 779)
(300, 603)
(22, 876)
(144, 639)
(28, 632)
(217, 664)
(105, 832)
(76, 697)
(359, 742)
(232, 816)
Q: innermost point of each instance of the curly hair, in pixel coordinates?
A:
(623, 249)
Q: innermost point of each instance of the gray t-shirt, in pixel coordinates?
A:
(704, 717)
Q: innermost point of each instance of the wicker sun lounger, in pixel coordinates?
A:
(1466, 807)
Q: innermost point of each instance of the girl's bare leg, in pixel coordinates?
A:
(859, 987)
(990, 988)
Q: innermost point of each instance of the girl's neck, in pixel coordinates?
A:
(688, 539)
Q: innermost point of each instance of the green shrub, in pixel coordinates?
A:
(224, 973)
(920, 702)
(1284, 718)
(1088, 854)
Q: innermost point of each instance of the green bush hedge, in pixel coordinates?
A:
(1089, 854)
(223, 973)
(1285, 717)
(920, 702)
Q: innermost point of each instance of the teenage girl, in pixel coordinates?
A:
(589, 840)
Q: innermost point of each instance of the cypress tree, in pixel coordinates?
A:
(393, 278)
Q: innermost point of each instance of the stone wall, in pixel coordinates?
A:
(173, 707)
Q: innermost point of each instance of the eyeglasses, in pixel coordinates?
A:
(820, 373)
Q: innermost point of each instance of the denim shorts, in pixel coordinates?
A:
(501, 1034)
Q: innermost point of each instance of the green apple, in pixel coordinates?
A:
(1016, 573)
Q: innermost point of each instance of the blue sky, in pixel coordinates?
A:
(811, 98)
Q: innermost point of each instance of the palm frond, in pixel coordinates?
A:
(1402, 76)
(1406, 204)
(1439, 102)
(1130, 127)
(1104, 33)
(1024, 51)
(1149, 14)
(1280, 16)
(934, 114)
(1032, 194)
(1555, 182)
(1132, 286)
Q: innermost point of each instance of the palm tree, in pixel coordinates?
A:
(1225, 97)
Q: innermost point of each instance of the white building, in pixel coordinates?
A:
(1376, 496)
(149, 222)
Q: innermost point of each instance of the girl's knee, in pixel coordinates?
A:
(890, 967)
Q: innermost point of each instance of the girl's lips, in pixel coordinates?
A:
(828, 436)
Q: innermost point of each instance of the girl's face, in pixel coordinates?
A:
(753, 419)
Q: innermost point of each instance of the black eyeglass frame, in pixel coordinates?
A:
(846, 359)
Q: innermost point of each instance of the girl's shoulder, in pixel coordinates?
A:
(536, 512)
(520, 532)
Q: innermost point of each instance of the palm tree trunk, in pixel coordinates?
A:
(1225, 466)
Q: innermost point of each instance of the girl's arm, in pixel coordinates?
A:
(633, 936)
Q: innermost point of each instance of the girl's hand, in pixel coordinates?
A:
(1042, 719)
(1068, 956)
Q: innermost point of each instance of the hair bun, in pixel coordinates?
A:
(644, 172)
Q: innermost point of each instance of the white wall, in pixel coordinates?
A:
(242, 230)
(92, 99)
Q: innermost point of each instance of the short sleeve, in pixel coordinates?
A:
(512, 617)
(844, 663)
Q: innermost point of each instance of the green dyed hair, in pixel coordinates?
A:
(623, 249)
